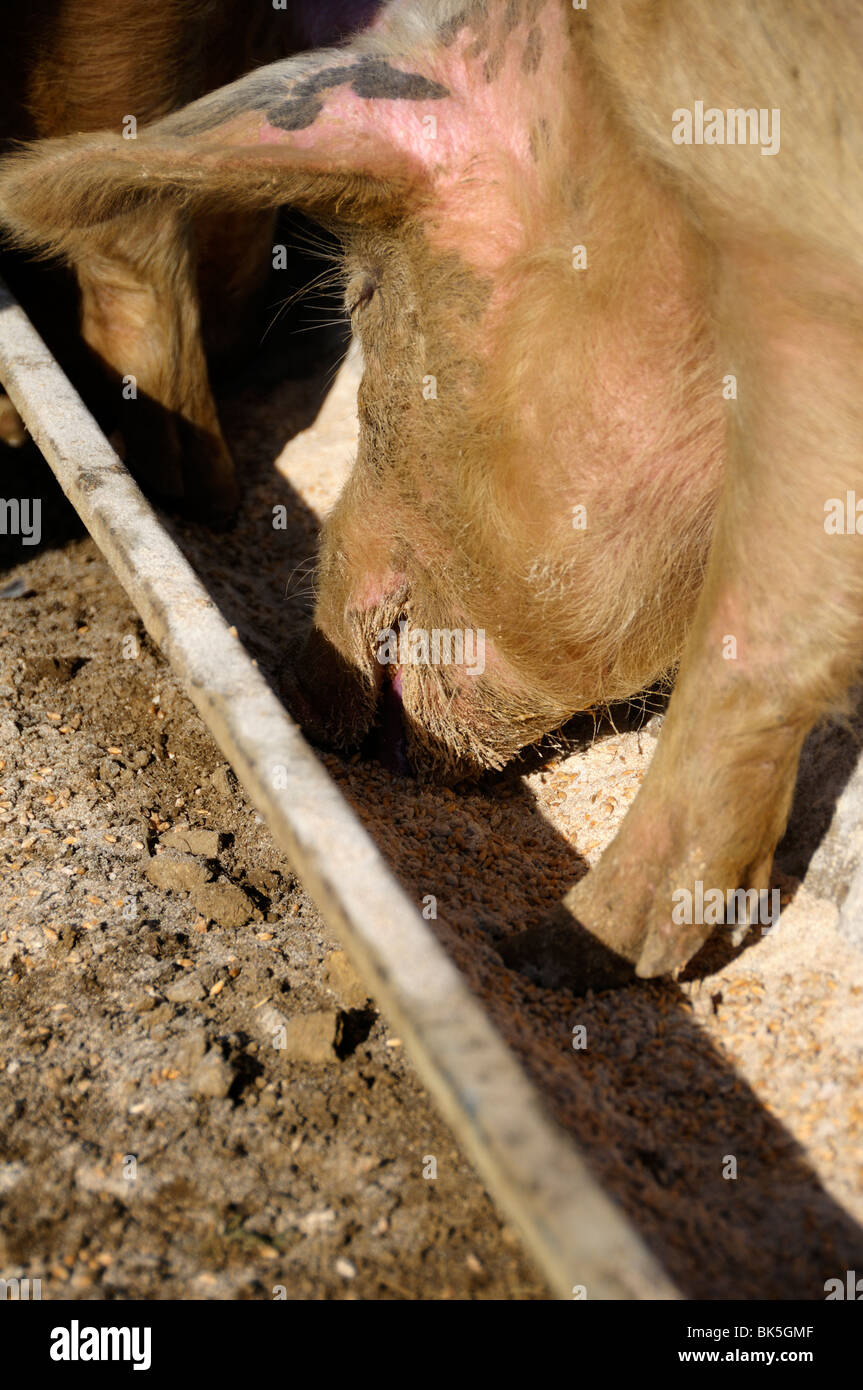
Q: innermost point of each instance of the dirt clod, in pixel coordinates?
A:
(344, 981)
(312, 1037)
(173, 871)
(212, 1077)
(205, 843)
(224, 903)
(187, 990)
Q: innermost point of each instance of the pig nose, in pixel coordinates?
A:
(379, 590)
(388, 743)
(333, 702)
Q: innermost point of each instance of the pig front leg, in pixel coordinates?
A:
(776, 641)
(141, 318)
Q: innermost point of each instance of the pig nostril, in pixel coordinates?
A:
(331, 700)
(388, 744)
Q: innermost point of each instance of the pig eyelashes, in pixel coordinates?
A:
(360, 291)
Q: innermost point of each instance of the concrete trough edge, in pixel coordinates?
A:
(576, 1232)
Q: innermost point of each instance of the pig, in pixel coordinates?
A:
(158, 290)
(604, 264)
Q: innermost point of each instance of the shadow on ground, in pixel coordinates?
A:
(653, 1105)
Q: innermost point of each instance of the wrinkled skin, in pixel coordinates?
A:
(515, 385)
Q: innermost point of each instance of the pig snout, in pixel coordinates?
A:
(332, 700)
(389, 743)
(337, 705)
(439, 703)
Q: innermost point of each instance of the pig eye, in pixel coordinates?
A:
(361, 290)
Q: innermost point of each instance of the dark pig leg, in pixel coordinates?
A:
(140, 316)
(90, 66)
(235, 258)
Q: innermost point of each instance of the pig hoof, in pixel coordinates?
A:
(668, 948)
(185, 470)
(563, 954)
(211, 490)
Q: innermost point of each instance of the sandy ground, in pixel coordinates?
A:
(154, 1142)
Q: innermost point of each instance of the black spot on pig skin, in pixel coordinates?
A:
(469, 17)
(492, 65)
(372, 79)
(512, 15)
(375, 79)
(302, 108)
(532, 55)
(249, 94)
(451, 28)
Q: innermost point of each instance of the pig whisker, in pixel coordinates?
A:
(332, 276)
(333, 372)
(307, 578)
(328, 279)
(318, 245)
(304, 572)
(313, 327)
(308, 560)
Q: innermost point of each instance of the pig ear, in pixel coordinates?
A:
(336, 132)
